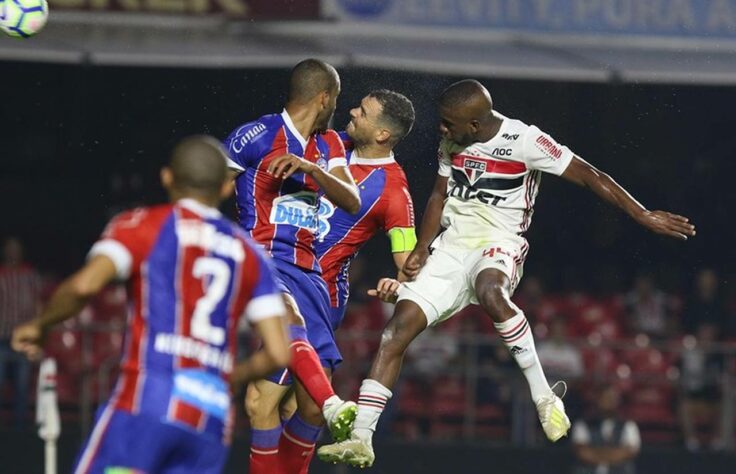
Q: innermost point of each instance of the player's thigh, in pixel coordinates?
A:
(262, 400)
(305, 406)
(293, 315)
(505, 257)
(441, 289)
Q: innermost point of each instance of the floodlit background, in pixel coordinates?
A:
(643, 89)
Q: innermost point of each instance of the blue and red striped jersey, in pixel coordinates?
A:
(385, 204)
(281, 214)
(192, 273)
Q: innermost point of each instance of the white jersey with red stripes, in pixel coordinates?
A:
(492, 186)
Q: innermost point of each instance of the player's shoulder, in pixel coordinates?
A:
(395, 172)
(255, 130)
(138, 218)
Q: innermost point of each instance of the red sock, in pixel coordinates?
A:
(306, 367)
(262, 462)
(296, 446)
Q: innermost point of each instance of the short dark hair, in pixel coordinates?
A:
(199, 165)
(309, 78)
(397, 112)
(462, 92)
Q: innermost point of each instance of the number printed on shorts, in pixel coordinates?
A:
(219, 276)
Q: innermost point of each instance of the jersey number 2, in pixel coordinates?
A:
(219, 274)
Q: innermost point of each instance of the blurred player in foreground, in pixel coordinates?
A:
(488, 178)
(192, 273)
(283, 163)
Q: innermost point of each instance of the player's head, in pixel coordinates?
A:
(198, 169)
(316, 84)
(466, 108)
(383, 117)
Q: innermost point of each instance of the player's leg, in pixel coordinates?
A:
(493, 291)
(406, 324)
(262, 400)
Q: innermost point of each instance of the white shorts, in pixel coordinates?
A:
(446, 283)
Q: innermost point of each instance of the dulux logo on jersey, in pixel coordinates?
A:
(326, 210)
(298, 210)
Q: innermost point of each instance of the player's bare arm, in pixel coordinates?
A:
(582, 173)
(274, 354)
(387, 289)
(428, 230)
(337, 184)
(67, 301)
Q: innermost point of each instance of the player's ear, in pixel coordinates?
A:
(227, 188)
(167, 178)
(383, 135)
(474, 126)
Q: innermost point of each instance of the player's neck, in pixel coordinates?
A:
(490, 129)
(303, 118)
(372, 151)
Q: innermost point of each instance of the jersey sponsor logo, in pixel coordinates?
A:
(501, 152)
(189, 348)
(510, 137)
(326, 210)
(549, 147)
(205, 391)
(466, 193)
(239, 143)
(298, 210)
(195, 233)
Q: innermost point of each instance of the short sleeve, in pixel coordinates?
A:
(444, 160)
(399, 207)
(541, 152)
(243, 145)
(266, 300)
(580, 433)
(121, 242)
(336, 150)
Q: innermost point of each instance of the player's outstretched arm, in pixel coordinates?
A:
(67, 301)
(274, 354)
(661, 222)
(428, 230)
(337, 184)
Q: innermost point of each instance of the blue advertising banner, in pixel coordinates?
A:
(688, 18)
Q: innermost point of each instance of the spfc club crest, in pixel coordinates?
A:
(474, 169)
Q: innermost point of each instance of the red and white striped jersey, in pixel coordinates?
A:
(492, 186)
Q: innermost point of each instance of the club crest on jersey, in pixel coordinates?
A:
(474, 169)
(298, 210)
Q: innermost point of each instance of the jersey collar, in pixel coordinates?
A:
(356, 160)
(199, 208)
(290, 125)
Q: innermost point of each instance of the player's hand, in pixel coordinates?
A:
(666, 223)
(387, 290)
(28, 339)
(286, 165)
(416, 260)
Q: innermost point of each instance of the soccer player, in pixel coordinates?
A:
(488, 179)
(192, 273)
(381, 120)
(283, 163)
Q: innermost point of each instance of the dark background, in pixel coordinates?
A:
(80, 143)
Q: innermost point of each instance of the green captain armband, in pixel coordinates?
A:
(403, 239)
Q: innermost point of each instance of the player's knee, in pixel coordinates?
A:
(311, 413)
(494, 298)
(257, 407)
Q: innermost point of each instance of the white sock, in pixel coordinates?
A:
(517, 335)
(371, 402)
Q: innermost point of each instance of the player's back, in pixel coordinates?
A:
(280, 214)
(192, 273)
(385, 204)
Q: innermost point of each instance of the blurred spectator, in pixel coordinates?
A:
(701, 374)
(560, 358)
(20, 290)
(604, 443)
(705, 304)
(648, 309)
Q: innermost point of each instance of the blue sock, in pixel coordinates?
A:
(265, 439)
(298, 332)
(302, 430)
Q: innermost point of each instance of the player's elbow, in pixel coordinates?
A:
(353, 204)
(83, 288)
